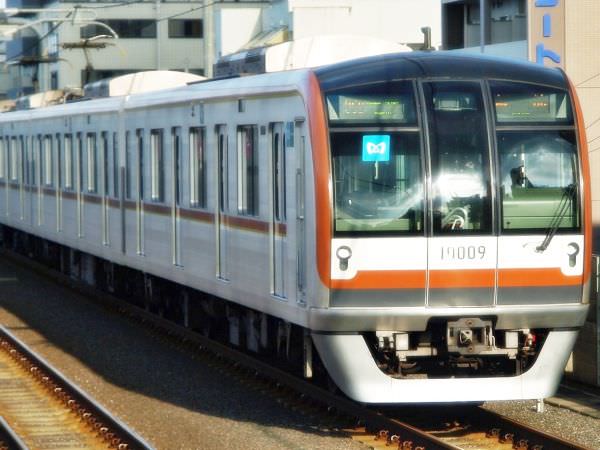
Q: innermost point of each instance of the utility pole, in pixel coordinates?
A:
(209, 38)
(482, 27)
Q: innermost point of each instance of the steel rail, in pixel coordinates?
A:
(8, 438)
(116, 432)
(524, 432)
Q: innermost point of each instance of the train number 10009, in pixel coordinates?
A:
(464, 252)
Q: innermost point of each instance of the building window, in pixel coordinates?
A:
(125, 28)
(157, 180)
(54, 80)
(185, 28)
(504, 21)
(47, 160)
(92, 184)
(197, 168)
(248, 170)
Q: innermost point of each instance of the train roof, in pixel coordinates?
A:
(372, 69)
(273, 83)
(449, 65)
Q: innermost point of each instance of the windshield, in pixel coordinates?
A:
(378, 169)
(460, 169)
(538, 165)
(538, 169)
(377, 182)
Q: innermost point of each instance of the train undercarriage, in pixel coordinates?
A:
(466, 347)
(214, 317)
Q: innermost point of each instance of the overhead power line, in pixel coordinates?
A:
(40, 39)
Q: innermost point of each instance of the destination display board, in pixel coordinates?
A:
(370, 108)
(531, 104)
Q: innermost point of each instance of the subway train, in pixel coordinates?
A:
(416, 226)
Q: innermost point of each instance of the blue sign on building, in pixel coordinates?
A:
(541, 52)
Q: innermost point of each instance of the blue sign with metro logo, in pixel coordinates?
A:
(376, 148)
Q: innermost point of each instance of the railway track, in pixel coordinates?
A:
(473, 427)
(42, 409)
(390, 428)
(9, 440)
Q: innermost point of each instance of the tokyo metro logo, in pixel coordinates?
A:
(376, 148)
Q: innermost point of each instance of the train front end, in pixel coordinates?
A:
(453, 228)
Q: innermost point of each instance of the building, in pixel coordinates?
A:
(505, 30)
(307, 33)
(556, 33)
(64, 44)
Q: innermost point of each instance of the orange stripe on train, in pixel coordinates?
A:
(536, 277)
(457, 279)
(383, 279)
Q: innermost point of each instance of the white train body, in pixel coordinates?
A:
(260, 231)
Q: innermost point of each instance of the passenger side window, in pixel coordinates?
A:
(157, 179)
(59, 174)
(92, 182)
(197, 167)
(2, 159)
(128, 166)
(14, 159)
(248, 170)
(140, 174)
(176, 155)
(105, 162)
(47, 160)
(115, 165)
(69, 162)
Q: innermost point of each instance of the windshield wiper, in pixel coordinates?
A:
(561, 211)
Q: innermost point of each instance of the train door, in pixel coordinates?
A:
(29, 179)
(222, 180)
(3, 171)
(140, 192)
(39, 181)
(32, 180)
(125, 182)
(462, 248)
(299, 140)
(104, 172)
(21, 176)
(277, 229)
(59, 183)
(79, 184)
(176, 167)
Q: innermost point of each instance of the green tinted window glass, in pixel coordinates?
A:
(377, 192)
(538, 180)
